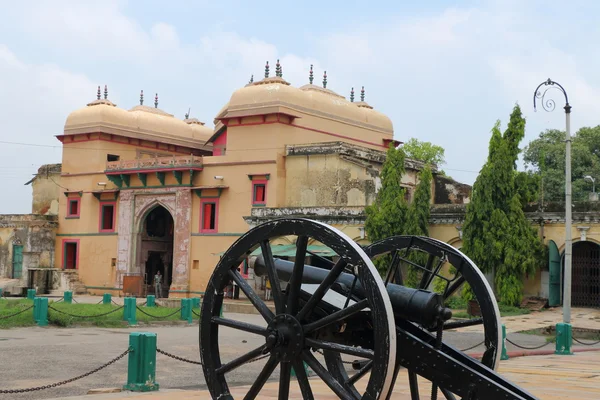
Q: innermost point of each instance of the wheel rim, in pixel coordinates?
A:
(286, 343)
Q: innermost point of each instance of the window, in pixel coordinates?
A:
(112, 157)
(209, 215)
(259, 193)
(107, 217)
(70, 254)
(73, 208)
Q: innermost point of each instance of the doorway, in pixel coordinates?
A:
(17, 257)
(585, 286)
(157, 249)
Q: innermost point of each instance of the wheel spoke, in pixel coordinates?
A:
(295, 282)
(414, 385)
(262, 378)
(233, 364)
(361, 372)
(454, 287)
(462, 324)
(273, 277)
(394, 275)
(284, 380)
(242, 326)
(329, 380)
(303, 381)
(447, 394)
(435, 273)
(336, 316)
(321, 258)
(427, 272)
(351, 290)
(340, 348)
(317, 296)
(252, 296)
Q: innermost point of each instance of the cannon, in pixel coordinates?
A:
(343, 311)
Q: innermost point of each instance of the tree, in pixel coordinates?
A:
(546, 156)
(496, 234)
(424, 151)
(387, 215)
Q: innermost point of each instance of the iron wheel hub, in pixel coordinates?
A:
(286, 337)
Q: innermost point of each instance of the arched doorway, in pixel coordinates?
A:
(156, 250)
(585, 286)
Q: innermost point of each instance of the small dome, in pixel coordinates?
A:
(199, 131)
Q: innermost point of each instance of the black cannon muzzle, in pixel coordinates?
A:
(420, 306)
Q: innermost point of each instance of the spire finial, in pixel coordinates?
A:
(310, 76)
(362, 94)
(251, 78)
(142, 98)
(187, 114)
(325, 79)
(278, 69)
(105, 92)
(352, 95)
(267, 70)
(99, 92)
(156, 100)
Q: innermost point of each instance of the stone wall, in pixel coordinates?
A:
(46, 190)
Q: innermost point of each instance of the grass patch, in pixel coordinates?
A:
(68, 315)
(456, 303)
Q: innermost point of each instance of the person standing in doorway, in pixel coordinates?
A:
(158, 284)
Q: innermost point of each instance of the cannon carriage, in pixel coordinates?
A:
(351, 312)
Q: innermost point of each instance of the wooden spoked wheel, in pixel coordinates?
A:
(438, 267)
(305, 319)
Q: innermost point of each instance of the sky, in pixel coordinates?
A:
(443, 71)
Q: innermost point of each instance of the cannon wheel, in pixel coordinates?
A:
(399, 248)
(287, 342)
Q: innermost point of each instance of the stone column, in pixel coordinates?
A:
(125, 244)
(181, 244)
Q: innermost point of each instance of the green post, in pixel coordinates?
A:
(151, 301)
(141, 367)
(40, 311)
(305, 369)
(221, 311)
(30, 294)
(0, 292)
(504, 355)
(129, 311)
(564, 339)
(68, 296)
(106, 298)
(186, 310)
(195, 302)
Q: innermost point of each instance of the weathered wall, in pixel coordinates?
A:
(449, 191)
(35, 233)
(46, 190)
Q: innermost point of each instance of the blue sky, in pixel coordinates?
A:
(443, 71)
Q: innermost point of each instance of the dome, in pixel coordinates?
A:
(273, 92)
(144, 122)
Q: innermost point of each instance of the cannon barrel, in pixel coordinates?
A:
(415, 305)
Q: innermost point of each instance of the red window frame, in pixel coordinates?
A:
(256, 185)
(104, 205)
(65, 244)
(204, 223)
(70, 202)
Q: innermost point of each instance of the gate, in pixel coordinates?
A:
(585, 290)
(17, 259)
(554, 272)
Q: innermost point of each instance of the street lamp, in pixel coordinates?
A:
(563, 331)
(593, 182)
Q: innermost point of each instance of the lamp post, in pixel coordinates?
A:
(563, 331)
(593, 182)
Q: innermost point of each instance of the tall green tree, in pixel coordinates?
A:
(496, 234)
(424, 151)
(387, 215)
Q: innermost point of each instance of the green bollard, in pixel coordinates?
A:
(564, 339)
(504, 355)
(195, 302)
(30, 294)
(141, 367)
(221, 311)
(129, 312)
(0, 292)
(150, 300)
(68, 297)
(40, 311)
(106, 298)
(186, 310)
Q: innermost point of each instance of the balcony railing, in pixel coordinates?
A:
(153, 164)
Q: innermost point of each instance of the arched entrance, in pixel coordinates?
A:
(585, 287)
(156, 250)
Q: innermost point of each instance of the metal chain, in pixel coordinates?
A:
(53, 385)
(85, 316)
(177, 357)
(158, 316)
(527, 348)
(195, 313)
(586, 344)
(17, 313)
(472, 347)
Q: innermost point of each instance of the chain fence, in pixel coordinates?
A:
(17, 313)
(53, 385)
(158, 316)
(173, 356)
(586, 344)
(195, 313)
(85, 316)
